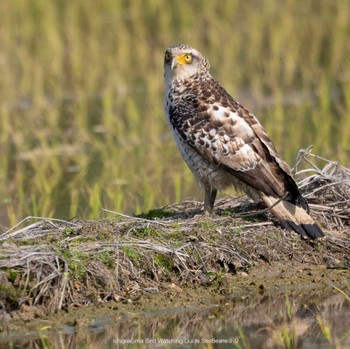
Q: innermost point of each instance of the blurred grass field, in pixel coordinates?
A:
(81, 94)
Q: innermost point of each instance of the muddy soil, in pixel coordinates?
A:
(272, 279)
(69, 272)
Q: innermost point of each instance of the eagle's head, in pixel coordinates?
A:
(182, 62)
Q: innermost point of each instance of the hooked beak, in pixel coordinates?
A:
(174, 63)
(178, 61)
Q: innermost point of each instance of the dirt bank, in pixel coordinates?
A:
(170, 257)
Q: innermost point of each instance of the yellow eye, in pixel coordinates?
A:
(188, 58)
(184, 58)
(167, 57)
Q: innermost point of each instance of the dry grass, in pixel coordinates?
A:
(327, 189)
(57, 264)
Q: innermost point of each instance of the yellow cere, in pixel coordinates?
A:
(184, 58)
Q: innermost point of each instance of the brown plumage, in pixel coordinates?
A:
(224, 144)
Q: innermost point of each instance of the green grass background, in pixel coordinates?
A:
(81, 94)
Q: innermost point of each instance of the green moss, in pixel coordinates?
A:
(145, 231)
(26, 242)
(176, 235)
(238, 210)
(216, 277)
(131, 252)
(156, 213)
(81, 241)
(207, 224)
(12, 275)
(50, 238)
(76, 261)
(164, 261)
(105, 236)
(255, 218)
(228, 212)
(9, 294)
(274, 236)
(68, 231)
(107, 258)
(237, 231)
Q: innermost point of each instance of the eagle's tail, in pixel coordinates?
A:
(292, 217)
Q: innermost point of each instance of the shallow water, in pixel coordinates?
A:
(301, 320)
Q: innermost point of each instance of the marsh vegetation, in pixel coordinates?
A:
(81, 103)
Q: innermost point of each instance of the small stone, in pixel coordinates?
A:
(117, 298)
(332, 263)
(151, 289)
(173, 288)
(77, 286)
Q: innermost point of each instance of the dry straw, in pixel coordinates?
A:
(58, 264)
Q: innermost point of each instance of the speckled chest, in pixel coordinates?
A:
(186, 117)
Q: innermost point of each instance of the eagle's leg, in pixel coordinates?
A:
(209, 198)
